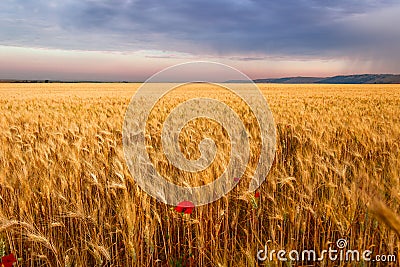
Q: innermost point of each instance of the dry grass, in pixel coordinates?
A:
(67, 198)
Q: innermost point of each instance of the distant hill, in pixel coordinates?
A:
(341, 79)
(290, 80)
(363, 79)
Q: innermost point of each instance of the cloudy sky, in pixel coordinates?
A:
(132, 39)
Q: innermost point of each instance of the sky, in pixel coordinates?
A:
(115, 40)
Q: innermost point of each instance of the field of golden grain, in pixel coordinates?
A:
(68, 199)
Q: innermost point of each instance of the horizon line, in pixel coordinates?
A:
(10, 80)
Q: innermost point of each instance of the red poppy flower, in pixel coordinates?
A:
(257, 194)
(8, 261)
(186, 207)
(236, 179)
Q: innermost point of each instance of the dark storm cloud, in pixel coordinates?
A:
(306, 28)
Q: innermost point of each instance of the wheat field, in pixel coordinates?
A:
(68, 199)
